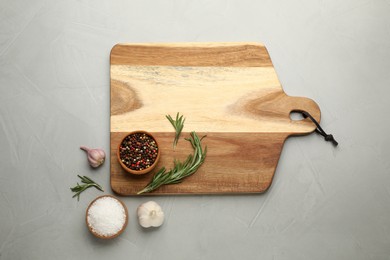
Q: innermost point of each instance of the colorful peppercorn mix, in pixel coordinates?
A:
(138, 151)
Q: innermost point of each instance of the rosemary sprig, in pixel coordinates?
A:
(88, 183)
(178, 124)
(180, 170)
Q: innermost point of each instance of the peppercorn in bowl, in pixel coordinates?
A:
(138, 152)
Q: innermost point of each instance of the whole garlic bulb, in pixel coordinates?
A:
(96, 157)
(150, 214)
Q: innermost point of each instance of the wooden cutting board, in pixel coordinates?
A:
(228, 91)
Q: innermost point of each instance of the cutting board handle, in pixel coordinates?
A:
(299, 104)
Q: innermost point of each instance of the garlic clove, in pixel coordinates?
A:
(96, 156)
(150, 214)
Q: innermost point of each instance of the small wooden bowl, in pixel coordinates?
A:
(144, 171)
(116, 234)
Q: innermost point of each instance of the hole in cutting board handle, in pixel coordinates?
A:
(296, 115)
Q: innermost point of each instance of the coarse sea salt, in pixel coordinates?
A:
(106, 216)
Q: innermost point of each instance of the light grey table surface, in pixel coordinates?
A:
(324, 203)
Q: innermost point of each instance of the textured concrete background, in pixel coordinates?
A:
(325, 203)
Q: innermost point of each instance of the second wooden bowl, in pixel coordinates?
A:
(134, 161)
(90, 226)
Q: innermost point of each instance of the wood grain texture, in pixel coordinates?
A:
(235, 162)
(196, 54)
(229, 91)
(218, 99)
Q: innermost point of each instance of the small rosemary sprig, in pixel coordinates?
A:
(178, 124)
(180, 170)
(88, 183)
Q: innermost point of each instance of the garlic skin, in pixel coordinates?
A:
(96, 157)
(150, 214)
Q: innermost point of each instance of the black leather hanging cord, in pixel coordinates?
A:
(328, 138)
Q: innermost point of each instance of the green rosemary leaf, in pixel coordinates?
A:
(180, 169)
(88, 183)
(178, 124)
